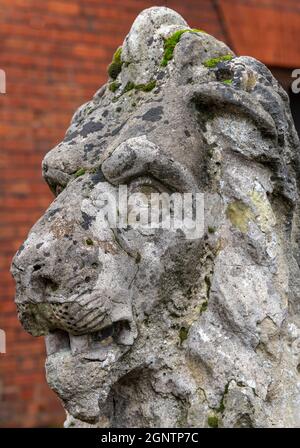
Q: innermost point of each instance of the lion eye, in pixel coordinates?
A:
(146, 186)
(146, 190)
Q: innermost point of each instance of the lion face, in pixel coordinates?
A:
(91, 290)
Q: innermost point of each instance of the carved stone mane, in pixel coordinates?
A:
(154, 329)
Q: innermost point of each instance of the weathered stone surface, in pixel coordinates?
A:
(153, 329)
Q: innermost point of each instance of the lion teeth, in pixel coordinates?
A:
(97, 343)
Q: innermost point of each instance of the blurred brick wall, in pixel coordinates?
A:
(55, 53)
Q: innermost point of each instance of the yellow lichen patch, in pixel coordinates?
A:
(213, 421)
(220, 245)
(264, 213)
(250, 82)
(239, 214)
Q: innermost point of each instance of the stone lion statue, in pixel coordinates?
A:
(152, 329)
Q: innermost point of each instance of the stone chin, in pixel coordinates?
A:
(82, 369)
(83, 380)
(153, 328)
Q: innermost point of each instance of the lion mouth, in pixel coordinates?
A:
(91, 346)
(82, 369)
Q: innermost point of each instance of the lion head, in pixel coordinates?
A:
(150, 328)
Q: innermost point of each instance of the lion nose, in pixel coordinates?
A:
(50, 277)
(35, 277)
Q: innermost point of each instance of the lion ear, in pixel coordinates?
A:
(217, 97)
(253, 92)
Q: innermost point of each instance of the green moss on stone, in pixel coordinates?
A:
(227, 81)
(171, 42)
(115, 66)
(117, 55)
(203, 307)
(183, 334)
(114, 69)
(140, 87)
(211, 229)
(80, 172)
(129, 86)
(146, 87)
(212, 63)
(208, 284)
(113, 86)
(213, 421)
(221, 407)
